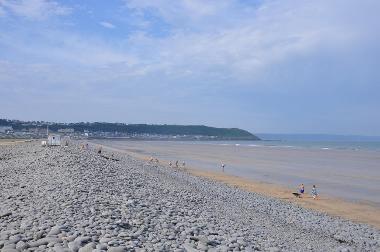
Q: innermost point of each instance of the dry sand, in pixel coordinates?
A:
(363, 212)
(12, 141)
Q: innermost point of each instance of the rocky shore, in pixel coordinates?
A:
(68, 199)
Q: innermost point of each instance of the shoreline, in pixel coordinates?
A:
(361, 212)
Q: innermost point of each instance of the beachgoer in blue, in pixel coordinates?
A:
(301, 189)
(314, 192)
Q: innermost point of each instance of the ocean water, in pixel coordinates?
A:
(322, 145)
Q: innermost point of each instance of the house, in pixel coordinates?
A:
(54, 140)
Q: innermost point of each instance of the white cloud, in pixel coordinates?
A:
(34, 9)
(172, 10)
(241, 42)
(65, 48)
(238, 42)
(190, 13)
(107, 25)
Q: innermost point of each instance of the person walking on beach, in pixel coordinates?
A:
(176, 163)
(183, 164)
(301, 190)
(170, 164)
(314, 192)
(223, 165)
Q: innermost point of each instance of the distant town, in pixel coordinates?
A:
(40, 129)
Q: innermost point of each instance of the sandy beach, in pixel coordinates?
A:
(11, 141)
(198, 157)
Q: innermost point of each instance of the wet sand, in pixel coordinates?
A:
(204, 160)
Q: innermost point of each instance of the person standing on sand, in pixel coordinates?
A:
(314, 192)
(176, 163)
(170, 164)
(301, 190)
(183, 164)
(223, 165)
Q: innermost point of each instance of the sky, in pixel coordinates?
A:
(278, 66)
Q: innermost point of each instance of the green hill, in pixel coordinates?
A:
(172, 130)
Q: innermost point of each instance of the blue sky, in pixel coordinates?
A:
(265, 66)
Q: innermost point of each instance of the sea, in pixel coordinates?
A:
(322, 145)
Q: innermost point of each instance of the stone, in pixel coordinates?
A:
(88, 247)
(274, 249)
(54, 231)
(117, 249)
(74, 246)
(21, 245)
(61, 249)
(5, 214)
(9, 250)
(44, 241)
(189, 248)
(9, 246)
(202, 247)
(15, 238)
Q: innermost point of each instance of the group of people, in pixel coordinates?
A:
(177, 164)
(154, 160)
(314, 192)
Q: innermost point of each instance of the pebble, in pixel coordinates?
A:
(5, 214)
(117, 249)
(88, 247)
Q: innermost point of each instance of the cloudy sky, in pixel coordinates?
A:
(265, 65)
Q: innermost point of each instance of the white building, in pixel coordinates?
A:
(54, 140)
